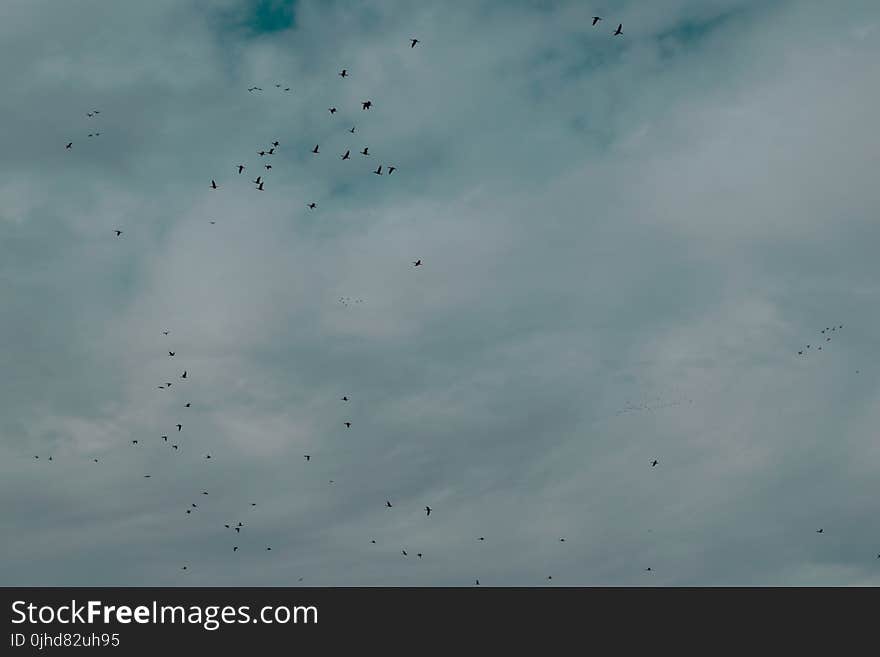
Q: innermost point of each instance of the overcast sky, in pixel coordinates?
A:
(625, 243)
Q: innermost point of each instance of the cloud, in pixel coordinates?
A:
(626, 240)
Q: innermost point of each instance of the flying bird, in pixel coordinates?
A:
(427, 511)
(345, 398)
(315, 149)
(240, 168)
(261, 153)
(388, 504)
(378, 171)
(391, 170)
(170, 353)
(366, 150)
(347, 155)
(276, 143)
(419, 555)
(165, 438)
(268, 167)
(596, 19)
(654, 463)
(403, 552)
(417, 263)
(307, 457)
(134, 442)
(333, 110)
(619, 30)
(179, 427)
(258, 180)
(312, 205)
(347, 425)
(271, 151)
(260, 187)
(69, 145)
(352, 130)
(164, 332)
(820, 531)
(213, 185)
(187, 404)
(343, 73)
(183, 376)
(366, 104)
(414, 42)
(118, 232)
(235, 548)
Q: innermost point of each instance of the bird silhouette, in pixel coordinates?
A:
(118, 232)
(347, 155)
(333, 110)
(258, 180)
(417, 263)
(179, 427)
(165, 438)
(619, 30)
(378, 171)
(235, 548)
(261, 153)
(654, 463)
(345, 398)
(391, 170)
(347, 425)
(366, 150)
(315, 149)
(276, 143)
(164, 332)
(134, 442)
(388, 504)
(271, 151)
(403, 552)
(268, 167)
(170, 353)
(307, 457)
(481, 538)
(820, 531)
(175, 447)
(187, 404)
(352, 129)
(69, 145)
(366, 104)
(596, 19)
(260, 187)
(240, 168)
(312, 205)
(343, 73)
(413, 42)
(476, 582)
(183, 376)
(213, 185)
(427, 511)
(419, 555)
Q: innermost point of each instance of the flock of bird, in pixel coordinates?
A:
(236, 527)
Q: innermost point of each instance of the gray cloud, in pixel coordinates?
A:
(625, 243)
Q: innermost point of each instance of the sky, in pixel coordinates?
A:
(625, 242)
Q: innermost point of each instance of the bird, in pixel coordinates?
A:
(261, 153)
(345, 398)
(419, 555)
(195, 506)
(118, 232)
(315, 149)
(69, 145)
(204, 492)
(240, 168)
(268, 167)
(260, 187)
(258, 180)
(654, 463)
(89, 114)
(184, 568)
(347, 425)
(179, 427)
(820, 531)
(549, 576)
(352, 130)
(343, 73)
(333, 110)
(414, 42)
(235, 548)
(619, 30)
(562, 540)
(403, 552)
(366, 104)
(648, 569)
(378, 171)
(307, 457)
(373, 540)
(417, 263)
(268, 549)
(271, 151)
(146, 476)
(95, 460)
(170, 353)
(388, 504)
(596, 19)
(134, 442)
(476, 582)
(175, 447)
(481, 538)
(252, 503)
(391, 170)
(366, 150)
(165, 438)
(276, 143)
(164, 332)
(347, 155)
(427, 511)
(207, 456)
(312, 205)
(213, 185)
(183, 376)
(167, 384)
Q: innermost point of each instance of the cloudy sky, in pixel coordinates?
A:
(625, 243)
